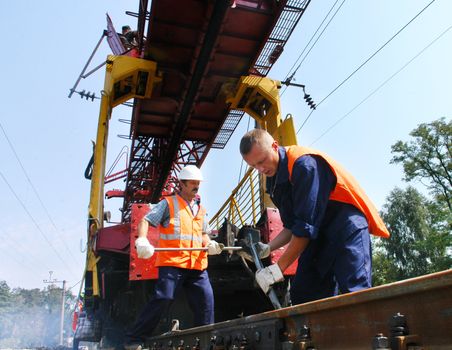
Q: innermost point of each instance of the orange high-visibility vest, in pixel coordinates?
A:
(184, 231)
(347, 189)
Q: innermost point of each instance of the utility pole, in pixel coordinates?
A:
(63, 298)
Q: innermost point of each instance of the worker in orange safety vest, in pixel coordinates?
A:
(77, 310)
(326, 218)
(182, 224)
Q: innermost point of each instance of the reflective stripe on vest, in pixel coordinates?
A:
(347, 189)
(179, 236)
(184, 231)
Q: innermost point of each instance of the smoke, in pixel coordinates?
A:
(31, 318)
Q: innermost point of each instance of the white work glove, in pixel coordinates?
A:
(263, 250)
(144, 249)
(213, 248)
(267, 276)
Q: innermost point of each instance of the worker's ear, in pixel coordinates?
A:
(275, 145)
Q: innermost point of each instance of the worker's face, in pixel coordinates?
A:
(264, 159)
(189, 188)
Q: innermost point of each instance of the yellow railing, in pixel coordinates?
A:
(244, 205)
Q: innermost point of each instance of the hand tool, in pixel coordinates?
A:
(193, 249)
(251, 237)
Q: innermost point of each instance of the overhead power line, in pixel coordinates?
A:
(289, 76)
(36, 192)
(16, 243)
(381, 85)
(26, 265)
(35, 223)
(366, 61)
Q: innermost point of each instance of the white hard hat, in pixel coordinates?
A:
(190, 172)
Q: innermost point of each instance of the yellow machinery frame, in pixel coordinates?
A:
(125, 78)
(258, 97)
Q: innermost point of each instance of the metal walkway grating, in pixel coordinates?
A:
(290, 15)
(228, 128)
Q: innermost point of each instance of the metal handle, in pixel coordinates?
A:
(193, 249)
(257, 261)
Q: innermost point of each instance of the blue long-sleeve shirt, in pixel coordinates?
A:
(304, 204)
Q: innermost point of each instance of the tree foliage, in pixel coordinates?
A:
(429, 158)
(419, 240)
(420, 227)
(31, 317)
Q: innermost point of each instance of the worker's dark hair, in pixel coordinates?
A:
(125, 27)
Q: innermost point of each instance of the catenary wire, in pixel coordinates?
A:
(291, 76)
(36, 192)
(70, 288)
(364, 63)
(29, 256)
(26, 264)
(381, 85)
(35, 223)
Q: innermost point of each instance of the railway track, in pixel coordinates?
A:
(412, 314)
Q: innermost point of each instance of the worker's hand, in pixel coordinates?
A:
(267, 276)
(214, 248)
(144, 249)
(262, 249)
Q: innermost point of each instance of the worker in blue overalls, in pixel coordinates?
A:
(182, 224)
(326, 217)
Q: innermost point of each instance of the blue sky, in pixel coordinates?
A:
(47, 44)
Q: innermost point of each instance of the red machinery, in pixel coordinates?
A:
(190, 55)
(197, 55)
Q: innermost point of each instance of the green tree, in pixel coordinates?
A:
(419, 240)
(6, 302)
(31, 318)
(382, 267)
(428, 158)
(5, 295)
(420, 227)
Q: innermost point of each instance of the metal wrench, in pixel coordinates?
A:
(193, 249)
(257, 261)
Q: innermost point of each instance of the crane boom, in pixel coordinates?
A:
(211, 45)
